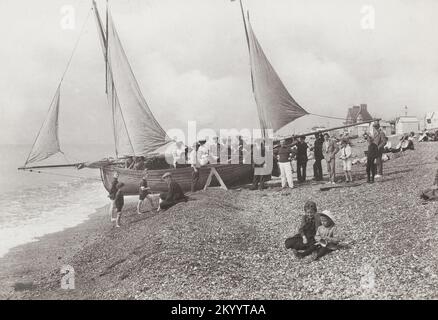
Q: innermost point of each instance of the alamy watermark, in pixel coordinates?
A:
(68, 17)
(68, 277)
(368, 21)
(226, 146)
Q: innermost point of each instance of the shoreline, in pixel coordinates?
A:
(229, 245)
(23, 265)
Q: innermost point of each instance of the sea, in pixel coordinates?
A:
(33, 204)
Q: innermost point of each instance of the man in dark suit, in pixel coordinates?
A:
(174, 194)
(318, 155)
(302, 159)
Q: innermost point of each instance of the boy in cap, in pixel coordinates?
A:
(326, 238)
(144, 192)
(112, 194)
(305, 238)
(119, 201)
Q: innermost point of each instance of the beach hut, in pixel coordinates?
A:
(407, 124)
(386, 127)
(431, 120)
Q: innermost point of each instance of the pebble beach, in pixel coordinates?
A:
(230, 245)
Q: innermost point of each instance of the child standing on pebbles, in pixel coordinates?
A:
(346, 159)
(144, 192)
(326, 238)
(305, 238)
(119, 202)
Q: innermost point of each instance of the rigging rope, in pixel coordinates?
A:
(76, 45)
(329, 117)
(63, 175)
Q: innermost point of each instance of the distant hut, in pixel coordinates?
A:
(431, 121)
(407, 124)
(387, 127)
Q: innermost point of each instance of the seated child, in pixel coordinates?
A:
(326, 239)
(306, 232)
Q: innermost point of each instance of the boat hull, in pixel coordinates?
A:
(231, 174)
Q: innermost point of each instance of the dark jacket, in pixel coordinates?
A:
(175, 193)
(145, 192)
(373, 152)
(379, 139)
(317, 149)
(302, 152)
(113, 189)
(119, 200)
(284, 153)
(308, 226)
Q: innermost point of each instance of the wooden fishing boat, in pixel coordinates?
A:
(231, 174)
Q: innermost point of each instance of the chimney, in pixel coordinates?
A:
(363, 107)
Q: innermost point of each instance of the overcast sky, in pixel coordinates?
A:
(191, 60)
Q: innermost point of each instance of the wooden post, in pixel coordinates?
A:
(214, 172)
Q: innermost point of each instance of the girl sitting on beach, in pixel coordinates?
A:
(305, 238)
(346, 159)
(144, 192)
(119, 202)
(326, 238)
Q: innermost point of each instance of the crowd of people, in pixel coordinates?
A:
(267, 161)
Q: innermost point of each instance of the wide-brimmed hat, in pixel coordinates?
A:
(167, 174)
(329, 215)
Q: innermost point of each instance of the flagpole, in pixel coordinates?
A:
(106, 51)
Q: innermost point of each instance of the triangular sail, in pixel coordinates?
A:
(47, 141)
(136, 130)
(276, 107)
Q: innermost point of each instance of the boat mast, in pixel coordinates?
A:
(329, 129)
(106, 46)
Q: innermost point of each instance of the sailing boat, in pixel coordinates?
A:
(275, 105)
(136, 131)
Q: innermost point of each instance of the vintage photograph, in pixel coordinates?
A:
(218, 150)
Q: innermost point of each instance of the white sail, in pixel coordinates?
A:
(136, 131)
(276, 107)
(47, 141)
